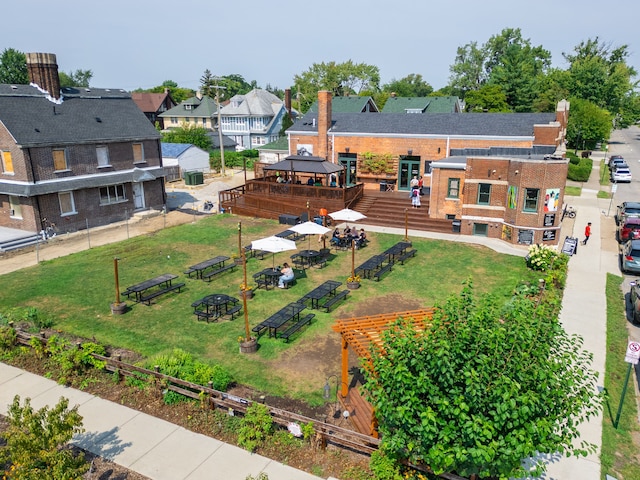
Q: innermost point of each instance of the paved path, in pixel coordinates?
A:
(161, 450)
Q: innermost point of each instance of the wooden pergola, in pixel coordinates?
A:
(363, 333)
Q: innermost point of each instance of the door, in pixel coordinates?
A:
(348, 160)
(409, 168)
(138, 195)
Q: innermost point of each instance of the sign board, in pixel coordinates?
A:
(570, 246)
(614, 188)
(633, 353)
(548, 235)
(549, 219)
(525, 237)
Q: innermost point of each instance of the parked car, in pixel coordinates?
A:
(630, 261)
(627, 209)
(616, 164)
(620, 175)
(634, 298)
(615, 159)
(629, 229)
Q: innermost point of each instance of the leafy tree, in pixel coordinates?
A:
(207, 83)
(36, 440)
(489, 98)
(13, 67)
(79, 78)
(341, 79)
(482, 388)
(410, 86)
(177, 93)
(588, 124)
(286, 123)
(234, 84)
(278, 92)
(467, 71)
(189, 133)
(552, 87)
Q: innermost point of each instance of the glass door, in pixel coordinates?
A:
(348, 160)
(409, 168)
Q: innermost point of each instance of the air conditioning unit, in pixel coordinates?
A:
(12, 212)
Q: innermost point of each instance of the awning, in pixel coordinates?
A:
(305, 164)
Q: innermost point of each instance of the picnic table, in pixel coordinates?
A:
(371, 265)
(327, 289)
(290, 313)
(267, 278)
(148, 290)
(215, 306)
(199, 268)
(290, 235)
(307, 257)
(396, 251)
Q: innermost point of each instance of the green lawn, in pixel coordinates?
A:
(76, 292)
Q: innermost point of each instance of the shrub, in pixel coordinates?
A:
(68, 360)
(581, 171)
(8, 337)
(540, 257)
(255, 427)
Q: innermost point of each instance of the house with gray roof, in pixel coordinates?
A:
(179, 158)
(252, 119)
(198, 111)
(74, 157)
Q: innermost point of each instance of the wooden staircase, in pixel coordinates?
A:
(388, 209)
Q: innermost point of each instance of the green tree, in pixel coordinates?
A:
(552, 87)
(79, 78)
(588, 124)
(413, 85)
(482, 388)
(467, 71)
(341, 79)
(189, 133)
(177, 93)
(35, 442)
(207, 83)
(13, 67)
(489, 98)
(234, 84)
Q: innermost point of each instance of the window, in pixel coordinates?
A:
(15, 209)
(484, 193)
(7, 162)
(531, 199)
(103, 156)
(258, 141)
(138, 153)
(60, 160)
(481, 229)
(453, 188)
(112, 194)
(427, 167)
(67, 205)
(204, 122)
(174, 120)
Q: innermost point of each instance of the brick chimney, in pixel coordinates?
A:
(287, 101)
(324, 123)
(43, 71)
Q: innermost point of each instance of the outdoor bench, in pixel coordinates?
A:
(207, 276)
(296, 326)
(382, 271)
(204, 315)
(258, 329)
(335, 299)
(147, 298)
(408, 254)
(233, 311)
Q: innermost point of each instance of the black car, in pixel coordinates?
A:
(634, 298)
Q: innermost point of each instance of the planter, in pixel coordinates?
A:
(237, 261)
(248, 293)
(353, 285)
(118, 308)
(249, 347)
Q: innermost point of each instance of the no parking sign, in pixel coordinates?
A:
(633, 353)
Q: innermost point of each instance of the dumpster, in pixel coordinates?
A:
(188, 178)
(455, 226)
(197, 178)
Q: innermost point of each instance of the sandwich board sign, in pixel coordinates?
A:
(633, 353)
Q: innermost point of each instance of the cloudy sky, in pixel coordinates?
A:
(141, 43)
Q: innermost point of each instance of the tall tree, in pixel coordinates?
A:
(413, 85)
(177, 93)
(467, 71)
(13, 67)
(189, 133)
(588, 124)
(207, 83)
(341, 79)
(482, 388)
(79, 78)
(489, 98)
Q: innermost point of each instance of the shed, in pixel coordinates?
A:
(178, 158)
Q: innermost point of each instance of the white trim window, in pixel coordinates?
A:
(67, 204)
(113, 194)
(138, 153)
(102, 153)
(15, 208)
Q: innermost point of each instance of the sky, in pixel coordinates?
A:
(141, 43)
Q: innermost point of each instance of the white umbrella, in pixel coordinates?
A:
(273, 245)
(309, 228)
(347, 215)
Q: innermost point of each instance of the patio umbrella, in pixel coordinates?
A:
(347, 215)
(273, 245)
(309, 228)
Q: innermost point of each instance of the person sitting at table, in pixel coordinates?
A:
(287, 275)
(362, 239)
(347, 231)
(335, 238)
(310, 181)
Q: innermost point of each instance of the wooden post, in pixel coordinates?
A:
(353, 258)
(115, 271)
(247, 332)
(406, 224)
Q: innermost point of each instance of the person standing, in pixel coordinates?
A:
(414, 182)
(415, 197)
(587, 233)
(420, 185)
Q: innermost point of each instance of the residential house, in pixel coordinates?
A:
(198, 111)
(253, 119)
(517, 154)
(450, 104)
(74, 157)
(178, 158)
(350, 104)
(275, 151)
(154, 104)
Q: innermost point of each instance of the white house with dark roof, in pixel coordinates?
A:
(74, 156)
(186, 157)
(253, 119)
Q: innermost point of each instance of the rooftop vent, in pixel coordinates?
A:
(98, 119)
(13, 87)
(87, 90)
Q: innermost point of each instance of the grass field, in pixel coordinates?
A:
(76, 292)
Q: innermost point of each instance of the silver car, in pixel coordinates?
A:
(630, 261)
(621, 174)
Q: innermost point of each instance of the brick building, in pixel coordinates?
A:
(74, 156)
(492, 171)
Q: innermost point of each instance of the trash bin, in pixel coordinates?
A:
(455, 226)
(197, 178)
(188, 178)
(383, 186)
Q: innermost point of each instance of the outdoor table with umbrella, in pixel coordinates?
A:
(273, 245)
(309, 228)
(348, 215)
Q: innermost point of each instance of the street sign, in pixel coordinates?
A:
(633, 353)
(614, 188)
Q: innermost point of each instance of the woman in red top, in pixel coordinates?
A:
(587, 233)
(420, 184)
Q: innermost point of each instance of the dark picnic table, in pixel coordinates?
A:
(327, 289)
(199, 268)
(147, 290)
(371, 265)
(267, 278)
(309, 257)
(215, 306)
(290, 235)
(396, 251)
(279, 319)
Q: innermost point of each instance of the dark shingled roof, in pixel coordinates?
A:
(473, 124)
(83, 116)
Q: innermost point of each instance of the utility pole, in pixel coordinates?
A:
(218, 88)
